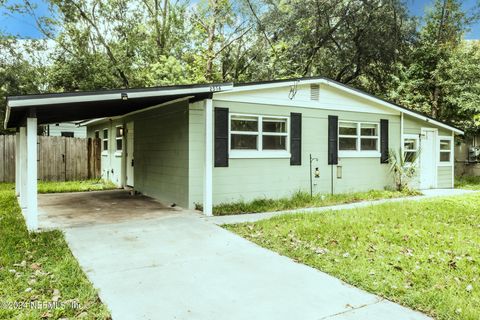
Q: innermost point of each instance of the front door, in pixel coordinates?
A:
(428, 164)
(130, 155)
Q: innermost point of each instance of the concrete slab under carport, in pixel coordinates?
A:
(80, 209)
(179, 266)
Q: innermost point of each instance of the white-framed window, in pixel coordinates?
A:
(258, 136)
(119, 139)
(358, 139)
(445, 151)
(105, 140)
(411, 147)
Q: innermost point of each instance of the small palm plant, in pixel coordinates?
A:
(403, 169)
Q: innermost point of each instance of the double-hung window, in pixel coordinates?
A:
(445, 151)
(358, 139)
(255, 136)
(105, 140)
(411, 147)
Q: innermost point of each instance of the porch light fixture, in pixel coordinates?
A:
(124, 96)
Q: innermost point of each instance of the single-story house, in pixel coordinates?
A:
(212, 143)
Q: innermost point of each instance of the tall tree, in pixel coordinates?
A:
(343, 40)
(422, 81)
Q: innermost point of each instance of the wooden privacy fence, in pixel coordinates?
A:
(59, 158)
(7, 156)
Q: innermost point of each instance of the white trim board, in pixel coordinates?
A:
(113, 96)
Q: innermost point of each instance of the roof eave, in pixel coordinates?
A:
(29, 101)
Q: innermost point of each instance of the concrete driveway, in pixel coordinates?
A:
(179, 266)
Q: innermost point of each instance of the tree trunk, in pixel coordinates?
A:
(211, 41)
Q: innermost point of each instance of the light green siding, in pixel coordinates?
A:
(414, 126)
(161, 153)
(253, 178)
(444, 177)
(196, 148)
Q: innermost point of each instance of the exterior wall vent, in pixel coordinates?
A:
(314, 91)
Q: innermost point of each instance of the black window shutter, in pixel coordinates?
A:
(296, 139)
(221, 137)
(384, 141)
(332, 139)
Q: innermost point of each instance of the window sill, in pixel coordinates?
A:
(105, 153)
(359, 154)
(251, 154)
(118, 153)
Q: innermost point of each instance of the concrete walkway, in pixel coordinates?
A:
(183, 267)
(252, 217)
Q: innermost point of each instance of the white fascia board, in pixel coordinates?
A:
(116, 96)
(58, 100)
(342, 88)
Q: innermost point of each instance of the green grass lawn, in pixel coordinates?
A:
(468, 182)
(66, 186)
(304, 200)
(39, 268)
(424, 255)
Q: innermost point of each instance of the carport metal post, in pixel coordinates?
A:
(32, 201)
(207, 179)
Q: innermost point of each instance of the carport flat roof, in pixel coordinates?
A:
(70, 106)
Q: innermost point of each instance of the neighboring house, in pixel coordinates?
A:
(467, 160)
(207, 144)
(65, 129)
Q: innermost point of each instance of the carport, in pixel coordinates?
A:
(26, 112)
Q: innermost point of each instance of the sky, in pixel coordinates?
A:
(24, 26)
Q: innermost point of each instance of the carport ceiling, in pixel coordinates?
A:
(60, 107)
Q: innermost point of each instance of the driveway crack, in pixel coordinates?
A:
(352, 309)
